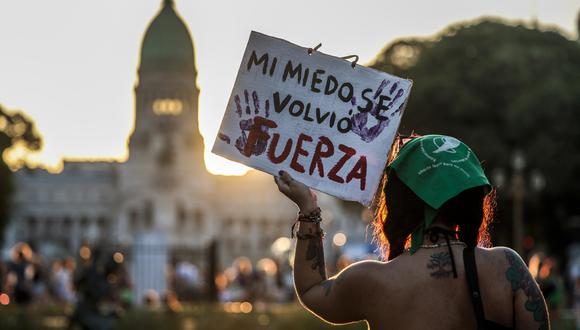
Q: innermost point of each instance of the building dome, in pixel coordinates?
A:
(167, 45)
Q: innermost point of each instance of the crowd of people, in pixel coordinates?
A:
(98, 284)
(27, 278)
(99, 276)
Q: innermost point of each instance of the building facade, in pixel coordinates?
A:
(163, 187)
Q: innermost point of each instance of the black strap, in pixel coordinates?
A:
(451, 256)
(473, 284)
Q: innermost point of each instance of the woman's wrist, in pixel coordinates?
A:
(308, 220)
(308, 208)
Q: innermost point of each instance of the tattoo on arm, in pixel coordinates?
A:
(329, 284)
(440, 263)
(315, 252)
(520, 278)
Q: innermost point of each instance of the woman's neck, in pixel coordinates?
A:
(439, 234)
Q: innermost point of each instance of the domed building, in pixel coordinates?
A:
(161, 206)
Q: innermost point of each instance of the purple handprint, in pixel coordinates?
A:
(360, 120)
(254, 130)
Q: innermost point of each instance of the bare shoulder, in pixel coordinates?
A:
(508, 264)
(364, 276)
(362, 269)
(344, 297)
(497, 260)
(366, 265)
(498, 253)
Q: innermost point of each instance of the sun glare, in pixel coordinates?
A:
(220, 166)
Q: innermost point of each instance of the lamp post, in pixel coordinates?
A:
(517, 183)
(519, 195)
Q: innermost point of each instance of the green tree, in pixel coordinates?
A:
(501, 87)
(17, 133)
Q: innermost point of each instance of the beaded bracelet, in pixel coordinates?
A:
(312, 217)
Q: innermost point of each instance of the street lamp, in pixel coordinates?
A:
(517, 183)
(519, 195)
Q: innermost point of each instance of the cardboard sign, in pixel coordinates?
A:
(327, 123)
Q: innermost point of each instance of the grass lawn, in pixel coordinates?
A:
(195, 317)
(198, 317)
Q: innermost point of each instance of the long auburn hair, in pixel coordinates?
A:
(399, 211)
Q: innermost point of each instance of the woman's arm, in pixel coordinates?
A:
(529, 304)
(334, 299)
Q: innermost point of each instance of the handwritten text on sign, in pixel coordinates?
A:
(313, 115)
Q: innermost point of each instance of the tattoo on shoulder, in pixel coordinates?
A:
(520, 278)
(440, 264)
(315, 252)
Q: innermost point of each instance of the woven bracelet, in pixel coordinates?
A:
(312, 217)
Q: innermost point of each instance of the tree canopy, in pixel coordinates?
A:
(499, 87)
(17, 131)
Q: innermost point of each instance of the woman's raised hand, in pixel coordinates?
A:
(297, 192)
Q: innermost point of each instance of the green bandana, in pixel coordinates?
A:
(436, 168)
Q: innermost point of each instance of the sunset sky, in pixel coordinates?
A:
(71, 64)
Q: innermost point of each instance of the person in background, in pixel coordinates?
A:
(21, 273)
(552, 285)
(431, 222)
(95, 294)
(63, 271)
